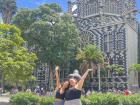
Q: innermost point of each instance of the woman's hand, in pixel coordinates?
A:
(81, 82)
(57, 68)
(90, 69)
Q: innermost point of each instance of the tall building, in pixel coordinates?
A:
(112, 26)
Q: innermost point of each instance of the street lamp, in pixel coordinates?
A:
(99, 76)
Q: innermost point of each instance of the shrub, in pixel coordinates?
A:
(111, 99)
(100, 99)
(24, 99)
(94, 99)
(46, 101)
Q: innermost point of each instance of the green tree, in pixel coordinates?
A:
(44, 13)
(7, 9)
(52, 35)
(114, 68)
(136, 69)
(16, 62)
(49, 33)
(91, 55)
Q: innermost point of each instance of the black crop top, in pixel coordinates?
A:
(72, 93)
(60, 96)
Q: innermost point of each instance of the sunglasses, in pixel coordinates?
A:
(74, 77)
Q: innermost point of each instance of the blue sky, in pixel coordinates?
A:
(36, 3)
(62, 3)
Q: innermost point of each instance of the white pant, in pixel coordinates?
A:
(73, 102)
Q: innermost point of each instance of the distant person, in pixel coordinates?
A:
(42, 91)
(37, 90)
(88, 93)
(28, 90)
(14, 90)
(127, 92)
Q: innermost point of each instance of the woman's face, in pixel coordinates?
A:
(72, 81)
(66, 84)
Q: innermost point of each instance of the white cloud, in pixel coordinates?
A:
(39, 2)
(73, 0)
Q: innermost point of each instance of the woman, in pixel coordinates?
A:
(73, 94)
(60, 89)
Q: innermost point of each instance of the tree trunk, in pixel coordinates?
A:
(135, 78)
(51, 77)
(108, 73)
(139, 79)
(3, 83)
(84, 67)
(48, 82)
(92, 67)
(16, 84)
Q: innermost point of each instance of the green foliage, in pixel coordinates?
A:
(30, 99)
(91, 53)
(50, 34)
(111, 99)
(46, 101)
(95, 99)
(135, 67)
(24, 99)
(115, 67)
(16, 63)
(7, 9)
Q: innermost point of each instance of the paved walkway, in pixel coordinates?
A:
(4, 100)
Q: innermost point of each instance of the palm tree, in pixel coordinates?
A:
(91, 56)
(114, 67)
(7, 9)
(136, 69)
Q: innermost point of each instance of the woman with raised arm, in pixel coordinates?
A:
(73, 94)
(60, 89)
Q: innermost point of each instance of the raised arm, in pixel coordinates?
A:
(58, 85)
(81, 82)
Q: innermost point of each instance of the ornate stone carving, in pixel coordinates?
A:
(102, 22)
(95, 22)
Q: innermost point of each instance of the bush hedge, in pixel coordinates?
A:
(24, 99)
(95, 99)
(30, 99)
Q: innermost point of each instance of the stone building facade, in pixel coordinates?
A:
(113, 27)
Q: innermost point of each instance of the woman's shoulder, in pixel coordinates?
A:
(76, 88)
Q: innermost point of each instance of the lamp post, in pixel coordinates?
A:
(99, 77)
